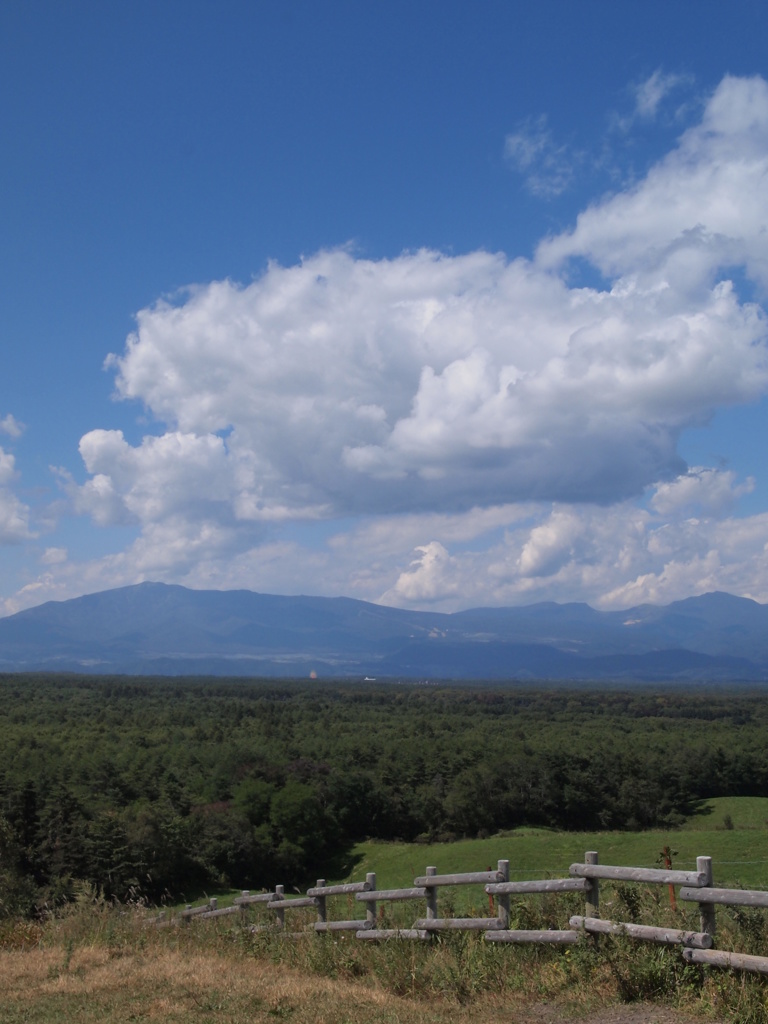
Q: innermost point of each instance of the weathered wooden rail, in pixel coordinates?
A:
(696, 887)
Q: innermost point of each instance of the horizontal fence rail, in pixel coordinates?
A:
(721, 958)
(656, 876)
(669, 936)
(246, 900)
(544, 885)
(696, 887)
(469, 878)
(547, 935)
(384, 895)
(728, 897)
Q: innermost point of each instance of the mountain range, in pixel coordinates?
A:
(159, 629)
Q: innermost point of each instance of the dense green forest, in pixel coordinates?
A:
(157, 787)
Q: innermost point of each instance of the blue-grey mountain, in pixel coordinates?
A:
(153, 628)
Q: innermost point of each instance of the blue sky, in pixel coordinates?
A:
(432, 304)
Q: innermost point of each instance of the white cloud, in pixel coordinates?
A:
(54, 556)
(552, 545)
(14, 514)
(699, 210)
(546, 166)
(612, 557)
(650, 93)
(11, 426)
(14, 519)
(446, 399)
(165, 476)
(701, 489)
(343, 386)
(348, 386)
(429, 577)
(7, 467)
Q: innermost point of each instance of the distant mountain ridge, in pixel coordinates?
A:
(157, 628)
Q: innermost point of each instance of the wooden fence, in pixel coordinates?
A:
(696, 887)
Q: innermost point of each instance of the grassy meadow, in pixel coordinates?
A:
(98, 962)
(739, 852)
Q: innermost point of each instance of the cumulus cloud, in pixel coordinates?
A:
(7, 467)
(54, 556)
(463, 380)
(156, 480)
(612, 557)
(14, 519)
(428, 577)
(701, 489)
(474, 394)
(14, 514)
(11, 426)
(552, 545)
(343, 385)
(699, 210)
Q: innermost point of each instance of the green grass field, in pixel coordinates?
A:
(739, 854)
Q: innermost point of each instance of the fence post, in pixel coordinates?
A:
(503, 898)
(322, 915)
(279, 912)
(592, 894)
(370, 905)
(431, 896)
(706, 910)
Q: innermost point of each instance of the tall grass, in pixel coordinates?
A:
(222, 970)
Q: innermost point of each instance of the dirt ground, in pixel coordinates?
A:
(636, 1013)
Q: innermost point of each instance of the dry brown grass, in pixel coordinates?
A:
(96, 965)
(169, 985)
(174, 985)
(36, 986)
